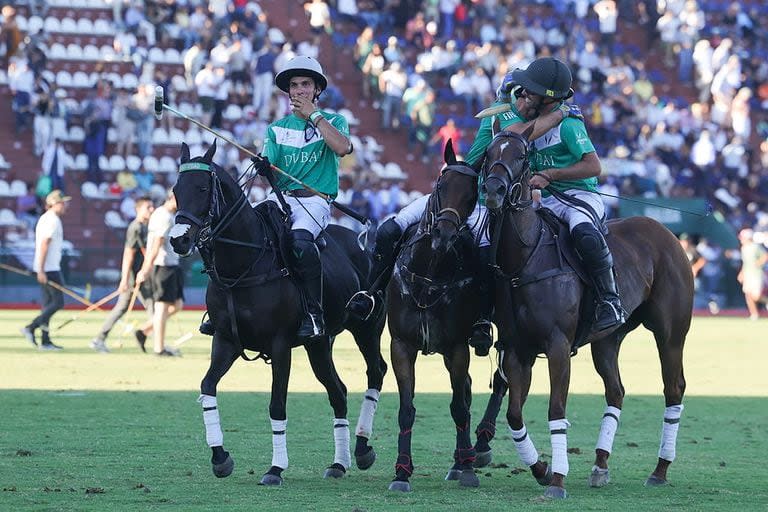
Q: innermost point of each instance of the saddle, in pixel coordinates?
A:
(279, 229)
(554, 255)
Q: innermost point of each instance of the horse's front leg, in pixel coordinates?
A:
(403, 363)
(457, 364)
(281, 371)
(559, 359)
(223, 354)
(486, 429)
(319, 352)
(518, 375)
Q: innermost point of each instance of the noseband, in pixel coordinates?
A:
(451, 215)
(513, 198)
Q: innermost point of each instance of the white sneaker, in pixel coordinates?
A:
(99, 346)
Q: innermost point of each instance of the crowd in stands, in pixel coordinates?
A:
(700, 131)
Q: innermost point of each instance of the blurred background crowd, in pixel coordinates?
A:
(674, 93)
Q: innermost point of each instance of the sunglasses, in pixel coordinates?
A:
(310, 131)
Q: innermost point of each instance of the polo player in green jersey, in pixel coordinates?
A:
(307, 145)
(564, 160)
(389, 233)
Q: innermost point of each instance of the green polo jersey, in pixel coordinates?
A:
(484, 136)
(293, 146)
(560, 147)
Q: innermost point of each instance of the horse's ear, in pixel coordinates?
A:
(184, 153)
(449, 155)
(528, 131)
(208, 157)
(496, 126)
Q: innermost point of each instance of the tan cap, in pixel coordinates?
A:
(56, 197)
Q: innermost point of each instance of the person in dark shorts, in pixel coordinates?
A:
(133, 259)
(161, 266)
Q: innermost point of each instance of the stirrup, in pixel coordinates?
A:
(361, 305)
(481, 338)
(311, 327)
(618, 316)
(206, 327)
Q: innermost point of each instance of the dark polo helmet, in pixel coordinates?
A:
(301, 66)
(547, 77)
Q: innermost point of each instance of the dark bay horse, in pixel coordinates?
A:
(254, 304)
(432, 305)
(538, 311)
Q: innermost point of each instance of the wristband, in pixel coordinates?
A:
(314, 115)
(547, 176)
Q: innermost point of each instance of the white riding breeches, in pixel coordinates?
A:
(573, 214)
(310, 213)
(411, 214)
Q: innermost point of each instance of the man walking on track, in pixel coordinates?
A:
(162, 264)
(49, 238)
(133, 259)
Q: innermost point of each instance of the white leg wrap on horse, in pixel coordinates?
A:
(213, 434)
(669, 432)
(341, 442)
(608, 428)
(524, 446)
(558, 432)
(279, 447)
(367, 411)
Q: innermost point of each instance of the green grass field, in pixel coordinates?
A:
(122, 431)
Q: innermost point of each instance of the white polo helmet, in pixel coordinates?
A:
(301, 65)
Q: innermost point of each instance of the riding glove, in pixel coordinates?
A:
(261, 164)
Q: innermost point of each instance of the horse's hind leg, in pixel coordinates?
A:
(319, 353)
(670, 339)
(486, 429)
(464, 456)
(605, 357)
(368, 340)
(223, 354)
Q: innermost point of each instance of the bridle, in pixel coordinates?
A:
(513, 199)
(437, 213)
(210, 227)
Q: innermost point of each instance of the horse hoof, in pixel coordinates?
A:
(482, 459)
(468, 478)
(335, 470)
(365, 460)
(547, 478)
(453, 474)
(224, 469)
(400, 486)
(599, 477)
(654, 481)
(555, 493)
(270, 479)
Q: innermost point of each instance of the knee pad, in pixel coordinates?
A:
(591, 246)
(304, 252)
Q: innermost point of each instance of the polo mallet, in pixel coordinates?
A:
(90, 308)
(57, 286)
(182, 339)
(159, 106)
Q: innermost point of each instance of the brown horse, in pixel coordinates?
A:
(545, 308)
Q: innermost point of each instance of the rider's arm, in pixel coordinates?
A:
(337, 141)
(541, 124)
